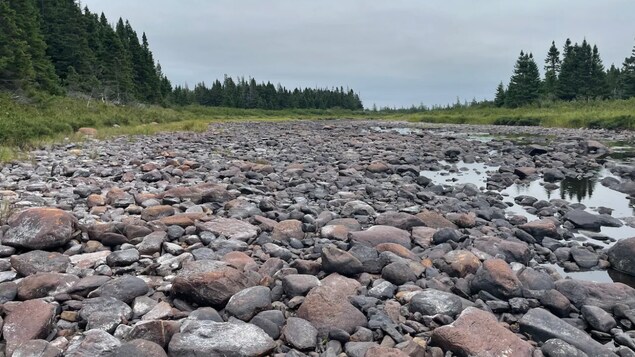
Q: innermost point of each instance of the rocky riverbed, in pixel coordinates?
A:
(321, 238)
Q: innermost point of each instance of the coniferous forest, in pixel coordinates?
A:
(575, 74)
(57, 47)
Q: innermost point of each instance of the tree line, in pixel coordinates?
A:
(576, 75)
(57, 47)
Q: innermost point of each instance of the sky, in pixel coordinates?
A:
(392, 52)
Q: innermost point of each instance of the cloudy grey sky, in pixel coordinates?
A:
(393, 52)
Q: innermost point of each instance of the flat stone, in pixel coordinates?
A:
(431, 302)
(542, 326)
(209, 338)
(32, 319)
(376, 235)
(478, 333)
(300, 334)
(97, 343)
(38, 261)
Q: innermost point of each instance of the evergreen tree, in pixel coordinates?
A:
(598, 83)
(627, 78)
(524, 85)
(499, 100)
(552, 69)
(613, 82)
(568, 82)
(28, 21)
(16, 68)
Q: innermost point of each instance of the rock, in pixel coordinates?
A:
(246, 303)
(435, 220)
(230, 228)
(512, 251)
(603, 295)
(357, 208)
(496, 277)
(540, 229)
(157, 212)
(622, 256)
(125, 288)
(445, 235)
(460, 263)
(326, 307)
(558, 348)
(536, 280)
(97, 343)
(552, 175)
(384, 352)
(335, 260)
(32, 319)
(400, 220)
(432, 302)
(37, 261)
(211, 283)
(584, 220)
(300, 334)
(299, 284)
(122, 258)
(209, 338)
(140, 348)
(44, 284)
(152, 243)
(555, 302)
(286, 230)
(358, 349)
(542, 326)
(115, 309)
(37, 348)
(584, 258)
(524, 172)
(376, 235)
(157, 331)
(398, 273)
(40, 228)
(597, 318)
(478, 333)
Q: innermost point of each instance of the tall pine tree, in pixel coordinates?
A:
(524, 85)
(552, 70)
(16, 68)
(627, 78)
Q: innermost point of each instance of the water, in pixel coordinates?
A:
(402, 130)
(461, 173)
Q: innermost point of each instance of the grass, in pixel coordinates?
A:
(40, 120)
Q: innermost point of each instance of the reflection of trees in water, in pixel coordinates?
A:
(578, 188)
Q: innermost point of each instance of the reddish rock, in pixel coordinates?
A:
(210, 282)
(238, 260)
(41, 228)
(288, 229)
(327, 306)
(524, 171)
(230, 228)
(434, 220)
(207, 192)
(44, 284)
(513, 251)
(497, 278)
(378, 167)
(477, 333)
(541, 228)
(157, 212)
(422, 236)
(397, 249)
(33, 319)
(157, 331)
(461, 263)
(462, 220)
(400, 220)
(183, 219)
(95, 200)
(384, 352)
(338, 232)
(376, 235)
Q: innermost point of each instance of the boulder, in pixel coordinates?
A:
(376, 235)
(33, 319)
(622, 256)
(40, 228)
(603, 295)
(432, 302)
(478, 333)
(497, 278)
(39, 261)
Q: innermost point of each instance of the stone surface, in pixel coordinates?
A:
(40, 228)
(209, 338)
(300, 334)
(33, 319)
(40, 261)
(497, 278)
(478, 333)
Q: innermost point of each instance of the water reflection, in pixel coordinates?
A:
(579, 189)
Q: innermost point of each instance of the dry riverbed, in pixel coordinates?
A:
(322, 238)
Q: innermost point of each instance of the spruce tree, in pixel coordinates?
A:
(524, 85)
(16, 68)
(627, 78)
(613, 82)
(552, 69)
(598, 82)
(568, 82)
(499, 100)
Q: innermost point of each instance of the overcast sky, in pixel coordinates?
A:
(393, 52)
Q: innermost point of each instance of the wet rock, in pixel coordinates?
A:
(220, 339)
(584, 220)
(584, 258)
(40, 228)
(542, 326)
(622, 256)
(478, 333)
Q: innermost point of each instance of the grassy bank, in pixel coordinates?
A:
(615, 114)
(28, 123)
